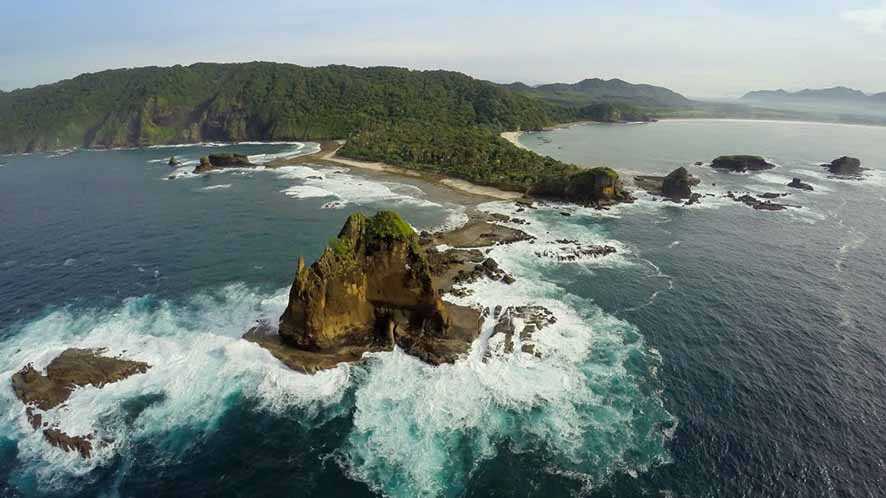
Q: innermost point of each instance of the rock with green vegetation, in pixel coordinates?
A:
(595, 186)
(370, 289)
(741, 163)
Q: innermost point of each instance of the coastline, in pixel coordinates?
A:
(514, 138)
(327, 155)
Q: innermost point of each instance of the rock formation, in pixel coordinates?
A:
(369, 290)
(596, 186)
(741, 163)
(676, 186)
(757, 204)
(797, 183)
(218, 161)
(71, 369)
(533, 319)
(848, 166)
(173, 161)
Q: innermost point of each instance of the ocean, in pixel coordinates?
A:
(722, 351)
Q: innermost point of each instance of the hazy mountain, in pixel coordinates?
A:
(835, 94)
(596, 90)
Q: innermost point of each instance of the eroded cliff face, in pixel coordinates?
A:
(371, 288)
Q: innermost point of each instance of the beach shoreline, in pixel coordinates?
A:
(327, 155)
(514, 138)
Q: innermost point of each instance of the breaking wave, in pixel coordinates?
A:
(584, 401)
(198, 364)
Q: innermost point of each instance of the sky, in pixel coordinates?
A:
(703, 49)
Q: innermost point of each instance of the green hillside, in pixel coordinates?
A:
(252, 101)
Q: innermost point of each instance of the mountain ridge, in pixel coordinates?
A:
(832, 94)
(596, 90)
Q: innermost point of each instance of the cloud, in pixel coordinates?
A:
(872, 20)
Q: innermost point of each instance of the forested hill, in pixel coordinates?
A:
(252, 101)
(598, 91)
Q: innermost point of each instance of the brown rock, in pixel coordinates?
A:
(370, 289)
(80, 444)
(73, 368)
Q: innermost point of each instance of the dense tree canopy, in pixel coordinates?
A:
(471, 153)
(253, 101)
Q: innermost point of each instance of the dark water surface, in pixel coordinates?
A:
(722, 351)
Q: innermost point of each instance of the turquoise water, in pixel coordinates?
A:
(721, 352)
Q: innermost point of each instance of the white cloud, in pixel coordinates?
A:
(872, 20)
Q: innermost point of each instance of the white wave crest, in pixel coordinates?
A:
(422, 431)
(197, 359)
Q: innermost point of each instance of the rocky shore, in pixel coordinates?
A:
(73, 368)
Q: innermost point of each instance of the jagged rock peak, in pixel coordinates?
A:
(371, 286)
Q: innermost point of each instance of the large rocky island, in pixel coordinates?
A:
(371, 289)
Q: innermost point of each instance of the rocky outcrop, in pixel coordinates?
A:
(595, 187)
(677, 185)
(173, 161)
(573, 250)
(371, 289)
(532, 319)
(204, 165)
(798, 184)
(844, 166)
(71, 369)
(741, 163)
(749, 200)
(219, 161)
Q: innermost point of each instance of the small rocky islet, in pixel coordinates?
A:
(741, 163)
(845, 166)
(220, 161)
(676, 186)
(73, 368)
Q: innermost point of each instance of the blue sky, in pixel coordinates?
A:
(700, 48)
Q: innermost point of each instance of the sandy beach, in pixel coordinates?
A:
(514, 138)
(328, 155)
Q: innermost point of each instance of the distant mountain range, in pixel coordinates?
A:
(824, 95)
(596, 90)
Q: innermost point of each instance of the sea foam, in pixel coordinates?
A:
(198, 361)
(423, 431)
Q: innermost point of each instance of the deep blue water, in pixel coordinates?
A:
(722, 352)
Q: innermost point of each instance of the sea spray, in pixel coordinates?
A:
(586, 400)
(198, 365)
